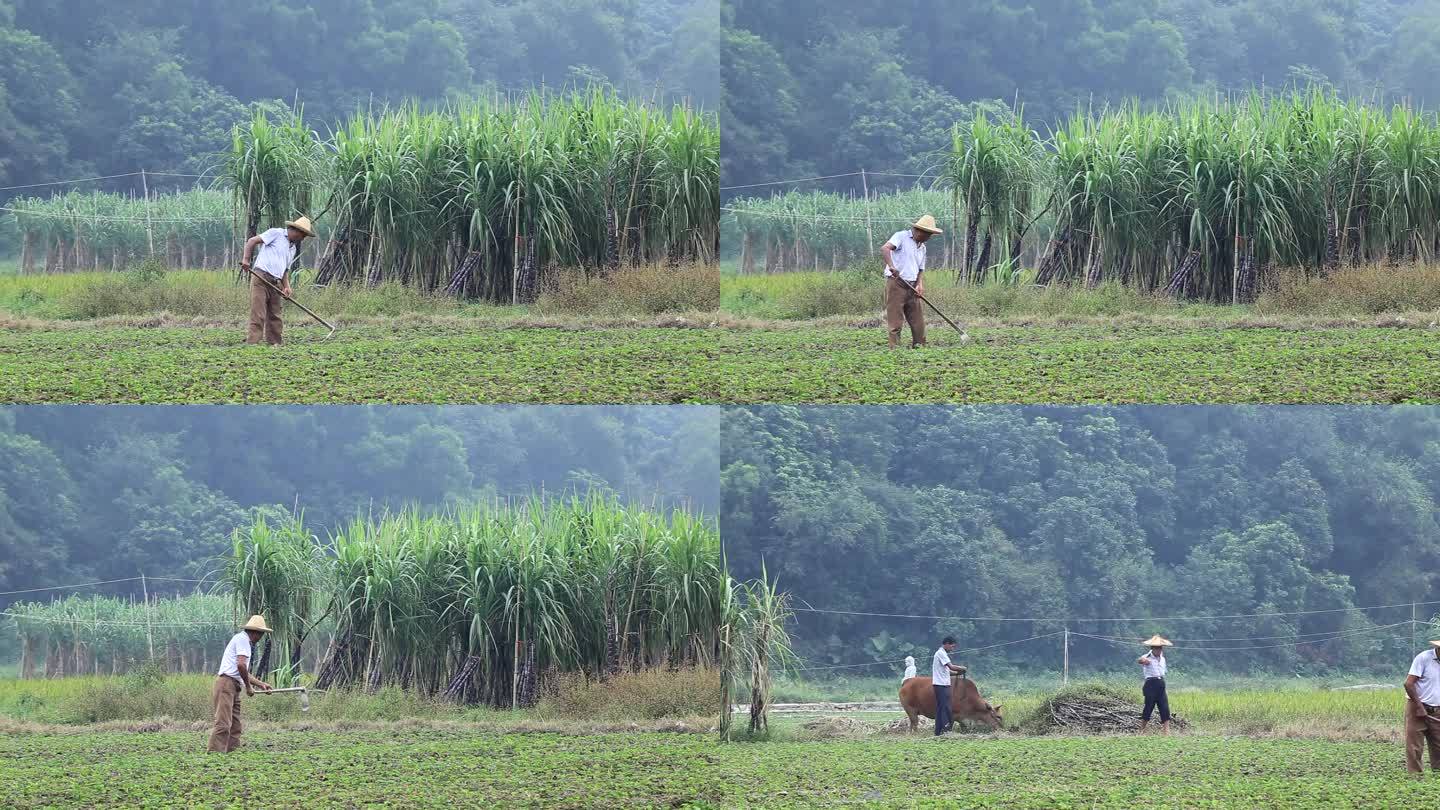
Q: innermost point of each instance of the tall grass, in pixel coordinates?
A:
(757, 646)
(488, 602)
(483, 199)
(106, 635)
(816, 231)
(81, 231)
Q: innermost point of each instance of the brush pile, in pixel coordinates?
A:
(1092, 709)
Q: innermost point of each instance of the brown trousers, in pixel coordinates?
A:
(265, 306)
(902, 306)
(1420, 733)
(225, 735)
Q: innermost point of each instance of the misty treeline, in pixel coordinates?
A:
(818, 88)
(1072, 514)
(92, 87)
(99, 493)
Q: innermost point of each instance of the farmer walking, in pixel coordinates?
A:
(1153, 664)
(234, 676)
(940, 669)
(278, 248)
(1422, 710)
(904, 257)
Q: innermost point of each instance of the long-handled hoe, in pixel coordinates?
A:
(964, 336)
(304, 695)
(271, 285)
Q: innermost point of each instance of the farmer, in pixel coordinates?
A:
(940, 669)
(235, 675)
(1422, 711)
(1153, 663)
(904, 257)
(278, 249)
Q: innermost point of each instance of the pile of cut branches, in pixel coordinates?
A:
(1089, 709)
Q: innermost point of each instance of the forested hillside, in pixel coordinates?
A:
(818, 88)
(94, 493)
(1091, 514)
(98, 88)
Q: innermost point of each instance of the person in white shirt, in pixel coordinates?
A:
(1422, 710)
(904, 257)
(1153, 663)
(234, 676)
(278, 248)
(940, 669)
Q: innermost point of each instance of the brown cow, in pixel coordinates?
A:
(917, 697)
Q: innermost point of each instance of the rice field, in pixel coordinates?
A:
(1204, 199)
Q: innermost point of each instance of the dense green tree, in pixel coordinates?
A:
(93, 492)
(97, 88)
(864, 85)
(1037, 515)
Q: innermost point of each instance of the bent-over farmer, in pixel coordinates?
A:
(940, 669)
(904, 257)
(234, 676)
(278, 248)
(1153, 663)
(1422, 710)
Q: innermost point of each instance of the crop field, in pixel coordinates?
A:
(1085, 364)
(428, 767)
(398, 767)
(1178, 771)
(383, 363)
(453, 362)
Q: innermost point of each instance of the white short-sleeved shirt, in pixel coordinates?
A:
(1426, 667)
(940, 668)
(276, 252)
(239, 645)
(1156, 667)
(908, 256)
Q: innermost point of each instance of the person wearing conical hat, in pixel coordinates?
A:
(904, 257)
(1153, 663)
(1422, 710)
(234, 676)
(277, 248)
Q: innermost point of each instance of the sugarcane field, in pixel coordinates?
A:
(1270, 246)
(575, 229)
(474, 600)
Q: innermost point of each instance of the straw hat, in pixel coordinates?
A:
(1157, 641)
(1435, 643)
(257, 622)
(303, 225)
(927, 224)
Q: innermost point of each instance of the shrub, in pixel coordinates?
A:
(648, 695)
(649, 289)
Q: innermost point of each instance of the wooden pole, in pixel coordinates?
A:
(869, 226)
(149, 628)
(150, 235)
(1065, 678)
